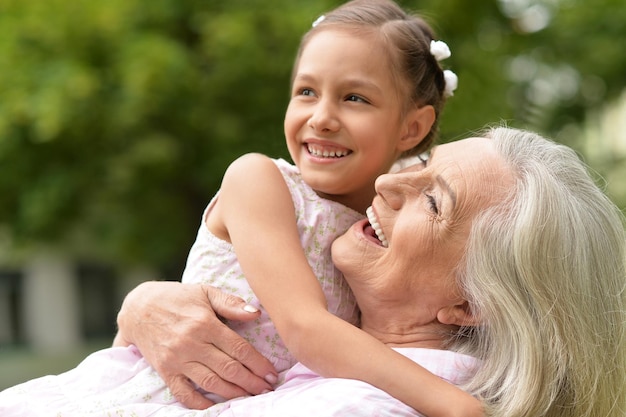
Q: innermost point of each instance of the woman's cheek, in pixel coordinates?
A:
(348, 252)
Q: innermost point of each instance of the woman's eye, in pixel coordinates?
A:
(432, 204)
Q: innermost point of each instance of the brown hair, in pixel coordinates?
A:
(407, 38)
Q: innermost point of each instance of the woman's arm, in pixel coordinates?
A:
(176, 329)
(256, 208)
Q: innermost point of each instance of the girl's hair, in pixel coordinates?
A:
(406, 38)
(546, 272)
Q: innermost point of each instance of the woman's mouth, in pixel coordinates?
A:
(375, 230)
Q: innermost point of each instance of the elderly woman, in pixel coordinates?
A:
(500, 248)
(503, 273)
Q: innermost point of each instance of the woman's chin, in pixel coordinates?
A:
(355, 249)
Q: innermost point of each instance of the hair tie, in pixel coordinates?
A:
(318, 20)
(452, 81)
(440, 51)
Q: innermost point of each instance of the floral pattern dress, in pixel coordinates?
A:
(119, 381)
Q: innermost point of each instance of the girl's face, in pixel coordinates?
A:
(344, 124)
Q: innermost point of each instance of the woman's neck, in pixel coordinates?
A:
(393, 333)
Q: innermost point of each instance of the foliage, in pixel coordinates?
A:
(119, 117)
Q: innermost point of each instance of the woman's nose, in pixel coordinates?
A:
(390, 190)
(396, 189)
(324, 117)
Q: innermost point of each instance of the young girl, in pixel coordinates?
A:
(366, 89)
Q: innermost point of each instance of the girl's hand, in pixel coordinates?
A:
(177, 329)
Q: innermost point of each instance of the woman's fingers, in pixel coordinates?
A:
(243, 364)
(176, 328)
(185, 392)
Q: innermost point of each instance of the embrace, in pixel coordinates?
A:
(496, 264)
(487, 279)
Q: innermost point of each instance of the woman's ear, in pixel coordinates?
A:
(419, 122)
(459, 315)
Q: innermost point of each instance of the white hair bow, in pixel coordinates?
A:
(440, 50)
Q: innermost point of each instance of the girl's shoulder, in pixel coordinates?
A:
(251, 167)
(250, 160)
(257, 167)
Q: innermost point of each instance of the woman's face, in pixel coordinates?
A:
(423, 214)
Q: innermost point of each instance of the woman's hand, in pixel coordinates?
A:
(177, 329)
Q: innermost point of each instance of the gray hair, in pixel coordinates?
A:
(546, 272)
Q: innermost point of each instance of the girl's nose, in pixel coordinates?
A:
(324, 118)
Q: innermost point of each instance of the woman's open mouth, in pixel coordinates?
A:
(374, 229)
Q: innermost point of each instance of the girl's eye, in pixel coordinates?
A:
(355, 98)
(303, 91)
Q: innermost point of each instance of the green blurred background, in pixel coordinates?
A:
(119, 117)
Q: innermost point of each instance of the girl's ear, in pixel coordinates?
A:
(459, 315)
(419, 122)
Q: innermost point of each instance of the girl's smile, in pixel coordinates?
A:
(344, 122)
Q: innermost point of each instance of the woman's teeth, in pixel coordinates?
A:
(325, 153)
(374, 223)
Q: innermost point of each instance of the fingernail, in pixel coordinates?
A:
(250, 309)
(271, 378)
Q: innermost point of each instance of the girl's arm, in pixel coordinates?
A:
(257, 214)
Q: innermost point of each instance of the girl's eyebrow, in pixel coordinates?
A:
(303, 77)
(348, 83)
(359, 83)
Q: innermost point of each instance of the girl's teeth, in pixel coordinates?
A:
(325, 153)
(374, 223)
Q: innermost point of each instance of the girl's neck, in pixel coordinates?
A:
(357, 201)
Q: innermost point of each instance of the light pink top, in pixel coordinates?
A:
(94, 390)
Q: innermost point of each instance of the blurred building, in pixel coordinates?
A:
(53, 304)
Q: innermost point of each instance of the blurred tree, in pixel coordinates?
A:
(540, 64)
(119, 117)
